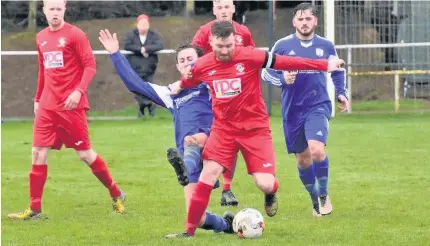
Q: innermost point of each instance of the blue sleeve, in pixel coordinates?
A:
(338, 76)
(273, 77)
(158, 94)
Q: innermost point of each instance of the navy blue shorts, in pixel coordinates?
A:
(309, 124)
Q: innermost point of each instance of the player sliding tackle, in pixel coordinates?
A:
(192, 113)
(306, 106)
(240, 122)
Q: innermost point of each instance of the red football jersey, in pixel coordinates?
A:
(237, 100)
(66, 64)
(243, 36)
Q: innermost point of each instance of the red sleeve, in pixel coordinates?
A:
(264, 59)
(85, 53)
(196, 80)
(40, 76)
(297, 63)
(201, 39)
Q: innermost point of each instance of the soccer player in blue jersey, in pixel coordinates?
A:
(306, 106)
(192, 117)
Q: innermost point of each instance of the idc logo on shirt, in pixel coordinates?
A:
(226, 88)
(53, 59)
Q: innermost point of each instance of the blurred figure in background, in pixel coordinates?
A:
(144, 43)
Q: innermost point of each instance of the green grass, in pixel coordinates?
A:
(406, 105)
(379, 185)
(377, 106)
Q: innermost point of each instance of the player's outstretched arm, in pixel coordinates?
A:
(158, 94)
(265, 59)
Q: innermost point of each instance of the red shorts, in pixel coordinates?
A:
(55, 128)
(256, 147)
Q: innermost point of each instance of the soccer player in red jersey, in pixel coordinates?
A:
(66, 68)
(223, 11)
(241, 121)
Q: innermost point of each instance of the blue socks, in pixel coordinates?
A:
(321, 173)
(214, 222)
(307, 176)
(192, 162)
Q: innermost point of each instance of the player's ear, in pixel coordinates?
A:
(177, 67)
(234, 8)
(316, 21)
(294, 23)
(210, 40)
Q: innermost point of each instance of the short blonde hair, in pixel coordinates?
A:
(45, 1)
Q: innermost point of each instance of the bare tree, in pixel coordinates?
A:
(32, 15)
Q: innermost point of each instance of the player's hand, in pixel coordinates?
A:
(187, 72)
(175, 88)
(289, 77)
(110, 42)
(334, 64)
(36, 107)
(73, 100)
(344, 103)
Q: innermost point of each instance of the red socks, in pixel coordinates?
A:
(275, 186)
(227, 180)
(198, 205)
(37, 179)
(101, 171)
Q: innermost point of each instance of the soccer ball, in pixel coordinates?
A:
(248, 223)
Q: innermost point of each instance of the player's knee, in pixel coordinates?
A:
(265, 182)
(304, 159)
(39, 155)
(211, 171)
(318, 154)
(87, 156)
(189, 140)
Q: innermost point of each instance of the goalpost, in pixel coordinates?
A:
(329, 33)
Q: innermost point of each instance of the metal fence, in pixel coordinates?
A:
(388, 23)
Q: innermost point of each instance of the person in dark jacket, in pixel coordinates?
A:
(144, 43)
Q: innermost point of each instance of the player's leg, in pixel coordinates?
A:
(75, 126)
(209, 221)
(316, 131)
(259, 154)
(188, 171)
(193, 146)
(227, 196)
(219, 153)
(297, 144)
(44, 134)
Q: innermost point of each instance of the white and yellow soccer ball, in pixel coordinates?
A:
(248, 223)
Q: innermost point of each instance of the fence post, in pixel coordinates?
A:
(396, 92)
(349, 71)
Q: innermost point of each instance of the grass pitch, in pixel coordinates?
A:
(379, 185)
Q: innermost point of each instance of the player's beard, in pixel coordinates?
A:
(308, 32)
(223, 58)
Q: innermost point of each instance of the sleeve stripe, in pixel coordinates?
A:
(266, 76)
